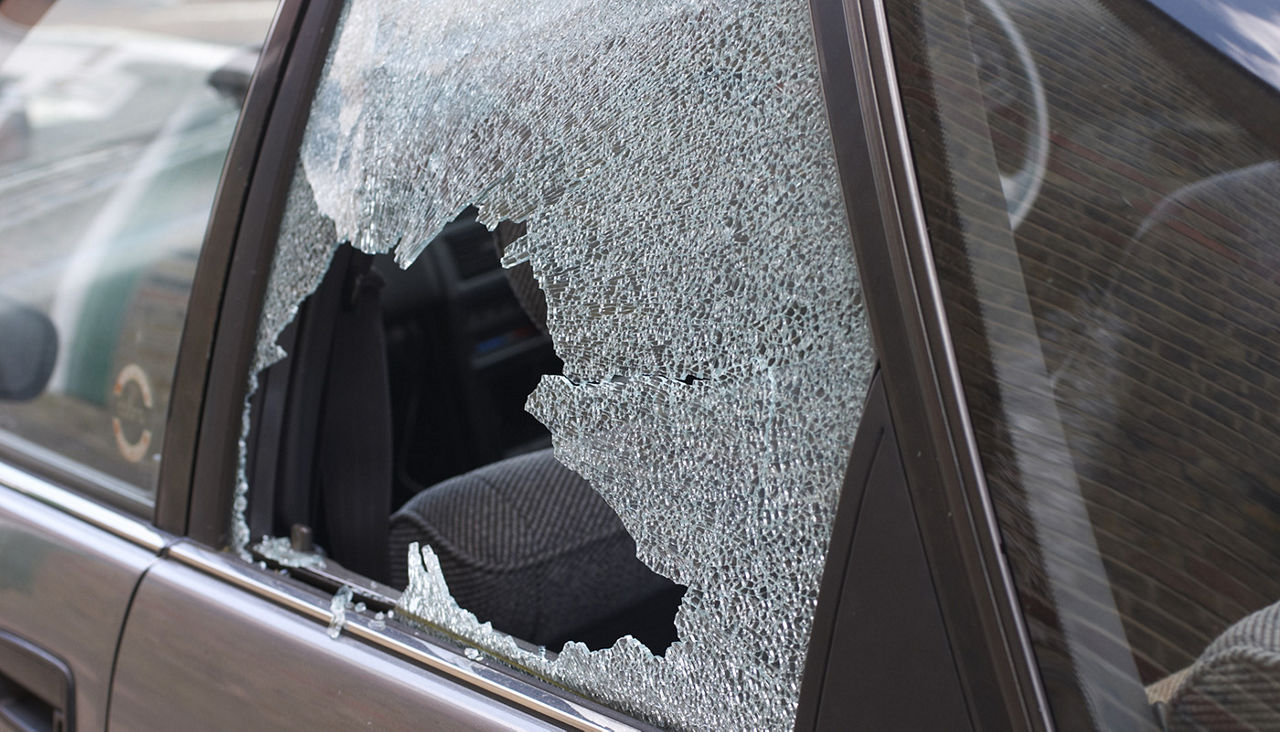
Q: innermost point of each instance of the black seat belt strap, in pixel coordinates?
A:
(353, 462)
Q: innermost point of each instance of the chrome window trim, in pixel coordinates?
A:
(122, 494)
(314, 606)
(95, 514)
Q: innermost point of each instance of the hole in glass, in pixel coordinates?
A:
(411, 384)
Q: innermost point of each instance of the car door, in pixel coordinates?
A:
(715, 192)
(213, 641)
(116, 122)
(1015, 530)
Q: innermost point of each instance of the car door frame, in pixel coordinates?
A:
(925, 412)
(201, 412)
(925, 407)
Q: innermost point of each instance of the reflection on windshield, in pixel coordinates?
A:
(115, 118)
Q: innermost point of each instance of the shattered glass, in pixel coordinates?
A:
(280, 550)
(673, 163)
(307, 244)
(338, 606)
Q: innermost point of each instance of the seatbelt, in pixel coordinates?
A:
(353, 461)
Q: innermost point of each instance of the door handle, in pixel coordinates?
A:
(36, 690)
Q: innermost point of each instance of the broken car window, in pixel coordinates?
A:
(665, 174)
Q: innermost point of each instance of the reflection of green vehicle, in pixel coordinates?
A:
(124, 136)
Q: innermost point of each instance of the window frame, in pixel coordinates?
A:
(198, 468)
(926, 405)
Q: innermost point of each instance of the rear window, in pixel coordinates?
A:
(1106, 231)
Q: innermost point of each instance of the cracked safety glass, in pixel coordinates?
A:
(622, 344)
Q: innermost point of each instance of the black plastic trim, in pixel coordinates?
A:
(191, 372)
(879, 656)
(871, 430)
(953, 511)
(214, 478)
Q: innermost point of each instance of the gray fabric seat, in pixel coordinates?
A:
(1235, 684)
(529, 546)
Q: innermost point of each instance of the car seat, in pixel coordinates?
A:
(529, 546)
(1235, 684)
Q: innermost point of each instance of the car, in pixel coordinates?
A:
(548, 364)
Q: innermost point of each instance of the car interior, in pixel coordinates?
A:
(398, 417)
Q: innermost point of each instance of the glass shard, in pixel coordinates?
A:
(279, 550)
(338, 610)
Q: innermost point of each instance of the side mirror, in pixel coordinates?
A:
(28, 350)
(232, 79)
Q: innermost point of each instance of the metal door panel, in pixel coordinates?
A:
(205, 655)
(65, 587)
